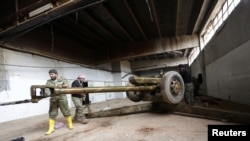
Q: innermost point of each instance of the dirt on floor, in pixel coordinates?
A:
(134, 127)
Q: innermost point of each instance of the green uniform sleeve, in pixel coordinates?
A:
(47, 91)
(64, 81)
(58, 83)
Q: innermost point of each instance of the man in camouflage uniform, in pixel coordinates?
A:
(187, 78)
(59, 101)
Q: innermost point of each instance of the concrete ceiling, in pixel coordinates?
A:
(93, 32)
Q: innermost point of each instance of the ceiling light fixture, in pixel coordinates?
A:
(40, 10)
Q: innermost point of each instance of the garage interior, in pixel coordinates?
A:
(110, 40)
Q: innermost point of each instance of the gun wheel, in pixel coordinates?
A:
(134, 96)
(172, 87)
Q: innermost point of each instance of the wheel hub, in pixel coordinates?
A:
(175, 87)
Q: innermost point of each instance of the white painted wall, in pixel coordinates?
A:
(20, 70)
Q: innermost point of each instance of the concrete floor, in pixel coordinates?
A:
(135, 127)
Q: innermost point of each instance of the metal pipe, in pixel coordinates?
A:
(102, 89)
(144, 80)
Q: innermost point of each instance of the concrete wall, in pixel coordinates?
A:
(18, 71)
(196, 66)
(227, 58)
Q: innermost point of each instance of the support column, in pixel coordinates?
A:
(121, 72)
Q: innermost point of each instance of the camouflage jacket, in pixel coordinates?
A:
(56, 83)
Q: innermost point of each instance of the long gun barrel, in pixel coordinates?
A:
(102, 89)
(170, 88)
(37, 94)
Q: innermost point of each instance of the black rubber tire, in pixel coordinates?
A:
(172, 87)
(134, 96)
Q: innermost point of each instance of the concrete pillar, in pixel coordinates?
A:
(120, 70)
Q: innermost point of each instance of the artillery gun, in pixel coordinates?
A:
(170, 89)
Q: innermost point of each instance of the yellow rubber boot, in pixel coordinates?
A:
(69, 120)
(51, 127)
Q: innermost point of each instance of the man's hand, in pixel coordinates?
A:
(64, 86)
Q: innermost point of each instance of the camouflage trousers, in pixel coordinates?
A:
(189, 95)
(79, 107)
(57, 102)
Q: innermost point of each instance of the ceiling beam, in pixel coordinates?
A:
(177, 19)
(79, 36)
(183, 13)
(156, 64)
(65, 9)
(99, 25)
(201, 16)
(81, 27)
(135, 20)
(120, 26)
(156, 18)
(88, 63)
(137, 49)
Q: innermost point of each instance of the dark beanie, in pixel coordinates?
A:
(53, 71)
